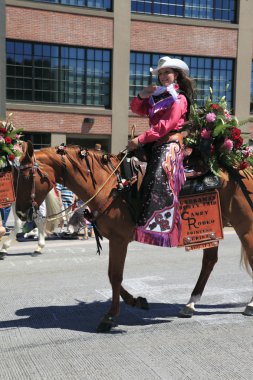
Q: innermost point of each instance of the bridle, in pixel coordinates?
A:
(34, 170)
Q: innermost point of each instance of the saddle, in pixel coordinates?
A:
(199, 178)
(134, 169)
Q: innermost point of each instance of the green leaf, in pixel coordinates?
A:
(219, 130)
(215, 167)
(6, 150)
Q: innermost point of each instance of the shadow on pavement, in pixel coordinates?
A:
(86, 316)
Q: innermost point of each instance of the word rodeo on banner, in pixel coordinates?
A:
(201, 220)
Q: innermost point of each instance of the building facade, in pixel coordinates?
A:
(69, 68)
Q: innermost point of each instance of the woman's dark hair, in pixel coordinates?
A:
(186, 84)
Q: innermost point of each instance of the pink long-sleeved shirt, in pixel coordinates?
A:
(164, 121)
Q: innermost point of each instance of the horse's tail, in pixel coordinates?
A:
(53, 206)
(245, 262)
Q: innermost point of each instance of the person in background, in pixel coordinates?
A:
(167, 107)
(5, 211)
(68, 200)
(2, 230)
(67, 197)
(78, 222)
(30, 229)
(98, 147)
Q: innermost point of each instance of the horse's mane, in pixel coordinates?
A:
(72, 152)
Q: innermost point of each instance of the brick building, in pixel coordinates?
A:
(68, 68)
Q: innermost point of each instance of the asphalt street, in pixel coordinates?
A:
(51, 306)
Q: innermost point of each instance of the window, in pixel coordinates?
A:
(39, 140)
(58, 74)
(89, 143)
(221, 10)
(216, 73)
(98, 4)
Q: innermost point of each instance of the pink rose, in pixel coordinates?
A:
(227, 115)
(206, 133)
(210, 117)
(227, 145)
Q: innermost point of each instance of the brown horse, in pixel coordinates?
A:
(90, 176)
(52, 204)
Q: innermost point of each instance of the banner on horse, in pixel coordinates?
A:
(7, 195)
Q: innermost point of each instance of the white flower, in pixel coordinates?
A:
(2, 162)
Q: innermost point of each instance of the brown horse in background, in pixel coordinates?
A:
(52, 205)
(90, 176)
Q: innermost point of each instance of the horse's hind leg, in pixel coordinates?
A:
(247, 259)
(210, 258)
(117, 255)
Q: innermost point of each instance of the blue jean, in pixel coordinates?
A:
(4, 214)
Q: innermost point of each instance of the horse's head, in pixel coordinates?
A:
(32, 184)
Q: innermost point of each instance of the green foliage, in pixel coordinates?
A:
(215, 132)
(10, 143)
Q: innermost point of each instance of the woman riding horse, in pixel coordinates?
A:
(92, 177)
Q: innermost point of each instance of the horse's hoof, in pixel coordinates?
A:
(248, 311)
(106, 324)
(186, 312)
(141, 303)
(36, 253)
(2, 254)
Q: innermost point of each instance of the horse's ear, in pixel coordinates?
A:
(24, 146)
(27, 148)
(30, 149)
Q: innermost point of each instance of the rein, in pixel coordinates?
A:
(58, 215)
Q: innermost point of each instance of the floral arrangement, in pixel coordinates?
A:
(10, 143)
(217, 135)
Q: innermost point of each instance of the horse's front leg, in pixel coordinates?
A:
(129, 299)
(210, 258)
(12, 235)
(117, 256)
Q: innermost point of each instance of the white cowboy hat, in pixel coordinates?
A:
(173, 63)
